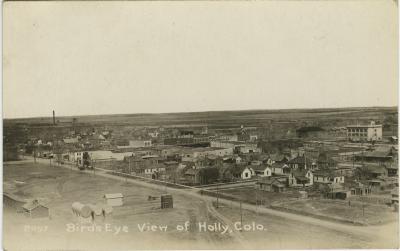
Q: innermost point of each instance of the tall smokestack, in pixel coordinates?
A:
(54, 117)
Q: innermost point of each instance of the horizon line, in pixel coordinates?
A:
(204, 111)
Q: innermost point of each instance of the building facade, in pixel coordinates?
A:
(360, 133)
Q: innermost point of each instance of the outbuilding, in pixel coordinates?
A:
(114, 199)
(36, 210)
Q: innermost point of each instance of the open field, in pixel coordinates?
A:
(62, 186)
(285, 234)
(221, 119)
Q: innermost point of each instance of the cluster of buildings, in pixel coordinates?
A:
(198, 156)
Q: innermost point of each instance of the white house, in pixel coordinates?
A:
(246, 172)
(301, 178)
(328, 177)
(277, 168)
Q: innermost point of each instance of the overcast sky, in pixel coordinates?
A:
(139, 57)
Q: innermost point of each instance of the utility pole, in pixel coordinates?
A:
(363, 206)
(256, 201)
(217, 195)
(241, 217)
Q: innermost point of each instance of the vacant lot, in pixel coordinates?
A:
(60, 187)
(284, 234)
(364, 213)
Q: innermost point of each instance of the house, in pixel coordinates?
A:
(393, 170)
(243, 172)
(279, 158)
(34, 209)
(375, 156)
(262, 170)
(300, 178)
(360, 189)
(272, 184)
(337, 191)
(268, 161)
(327, 177)
(253, 137)
(301, 162)
(114, 199)
(238, 160)
(279, 168)
(371, 171)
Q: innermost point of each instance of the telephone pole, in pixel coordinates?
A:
(241, 217)
(217, 195)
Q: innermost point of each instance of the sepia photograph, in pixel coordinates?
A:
(200, 125)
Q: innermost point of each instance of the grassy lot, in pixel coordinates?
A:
(364, 213)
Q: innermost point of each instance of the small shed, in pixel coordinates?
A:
(114, 199)
(35, 210)
(166, 201)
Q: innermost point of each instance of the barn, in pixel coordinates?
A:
(114, 199)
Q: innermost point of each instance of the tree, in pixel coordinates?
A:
(86, 159)
(208, 175)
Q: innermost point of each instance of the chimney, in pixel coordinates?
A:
(54, 117)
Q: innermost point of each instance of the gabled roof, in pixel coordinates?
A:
(278, 165)
(299, 173)
(259, 168)
(272, 179)
(192, 171)
(29, 206)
